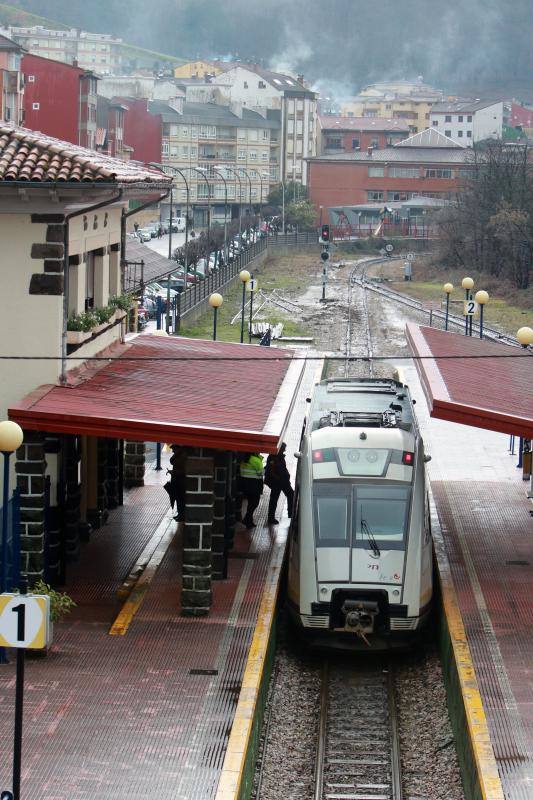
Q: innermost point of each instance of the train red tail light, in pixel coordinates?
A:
(408, 459)
(320, 456)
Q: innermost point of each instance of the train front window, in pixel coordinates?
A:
(380, 513)
(331, 508)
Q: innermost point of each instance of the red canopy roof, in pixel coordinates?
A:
(473, 381)
(169, 389)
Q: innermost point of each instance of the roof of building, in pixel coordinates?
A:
(34, 157)
(405, 155)
(9, 44)
(155, 265)
(333, 122)
(455, 369)
(280, 81)
(462, 106)
(430, 137)
(212, 114)
(168, 389)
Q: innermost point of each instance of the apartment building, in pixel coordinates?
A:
(220, 142)
(469, 120)
(257, 88)
(199, 69)
(11, 83)
(345, 134)
(95, 51)
(411, 102)
(60, 100)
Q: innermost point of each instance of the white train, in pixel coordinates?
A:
(360, 557)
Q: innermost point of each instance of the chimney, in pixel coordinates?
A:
(300, 79)
(369, 151)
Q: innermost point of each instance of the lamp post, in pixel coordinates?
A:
(215, 301)
(245, 276)
(467, 284)
(261, 176)
(481, 297)
(448, 288)
(11, 437)
(282, 206)
(240, 198)
(525, 336)
(219, 173)
(202, 172)
(247, 174)
(251, 307)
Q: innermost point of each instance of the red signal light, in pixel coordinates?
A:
(408, 459)
(318, 456)
(325, 233)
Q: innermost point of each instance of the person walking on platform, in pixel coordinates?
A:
(277, 478)
(251, 485)
(177, 479)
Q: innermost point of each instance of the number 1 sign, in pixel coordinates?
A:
(24, 621)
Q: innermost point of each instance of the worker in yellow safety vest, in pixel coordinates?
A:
(251, 484)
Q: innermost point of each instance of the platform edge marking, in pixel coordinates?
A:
(489, 783)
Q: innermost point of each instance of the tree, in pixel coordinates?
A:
(293, 191)
(301, 214)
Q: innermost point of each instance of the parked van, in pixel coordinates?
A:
(178, 225)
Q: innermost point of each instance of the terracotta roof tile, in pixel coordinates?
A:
(32, 156)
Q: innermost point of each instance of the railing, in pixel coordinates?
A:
(198, 292)
(293, 239)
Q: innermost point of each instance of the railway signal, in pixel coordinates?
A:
(324, 234)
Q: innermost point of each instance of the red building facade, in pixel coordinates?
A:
(349, 134)
(60, 100)
(416, 167)
(143, 131)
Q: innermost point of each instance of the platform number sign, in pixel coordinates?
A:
(471, 308)
(24, 621)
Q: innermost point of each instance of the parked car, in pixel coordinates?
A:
(144, 234)
(153, 227)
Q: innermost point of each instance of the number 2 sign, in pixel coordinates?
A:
(471, 308)
(24, 621)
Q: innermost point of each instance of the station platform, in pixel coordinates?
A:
(487, 531)
(145, 713)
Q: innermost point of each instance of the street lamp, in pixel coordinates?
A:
(249, 183)
(467, 284)
(245, 276)
(215, 301)
(261, 176)
(201, 171)
(481, 297)
(219, 173)
(11, 437)
(448, 288)
(227, 167)
(525, 336)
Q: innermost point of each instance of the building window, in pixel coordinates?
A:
(242, 155)
(261, 85)
(376, 172)
(264, 155)
(460, 134)
(36, 106)
(31, 78)
(333, 144)
(89, 281)
(245, 84)
(469, 134)
(266, 135)
(435, 123)
(375, 196)
(469, 118)
(355, 144)
(253, 155)
(173, 151)
(164, 148)
(404, 172)
(448, 133)
(397, 197)
(438, 173)
(460, 118)
(448, 118)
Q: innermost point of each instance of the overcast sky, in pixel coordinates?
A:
(346, 43)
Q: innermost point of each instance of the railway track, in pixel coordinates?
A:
(358, 753)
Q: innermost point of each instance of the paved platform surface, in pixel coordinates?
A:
(147, 714)
(488, 532)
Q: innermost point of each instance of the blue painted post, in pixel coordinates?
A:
(158, 457)
(158, 312)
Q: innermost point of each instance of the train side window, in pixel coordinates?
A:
(332, 512)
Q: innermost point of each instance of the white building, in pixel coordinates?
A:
(257, 88)
(468, 121)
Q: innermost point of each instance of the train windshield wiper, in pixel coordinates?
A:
(371, 538)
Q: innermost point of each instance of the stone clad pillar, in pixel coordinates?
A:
(72, 499)
(30, 468)
(134, 455)
(196, 596)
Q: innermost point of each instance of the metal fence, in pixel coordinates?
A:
(12, 572)
(293, 239)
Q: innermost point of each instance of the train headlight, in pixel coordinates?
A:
(353, 456)
(371, 456)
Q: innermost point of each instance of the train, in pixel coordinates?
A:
(360, 564)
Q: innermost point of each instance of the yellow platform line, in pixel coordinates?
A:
(478, 730)
(233, 769)
(136, 597)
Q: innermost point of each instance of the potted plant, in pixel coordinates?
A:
(60, 605)
(122, 303)
(103, 317)
(76, 331)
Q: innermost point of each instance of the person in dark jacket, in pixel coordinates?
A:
(278, 479)
(177, 479)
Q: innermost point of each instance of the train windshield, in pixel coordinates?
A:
(361, 516)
